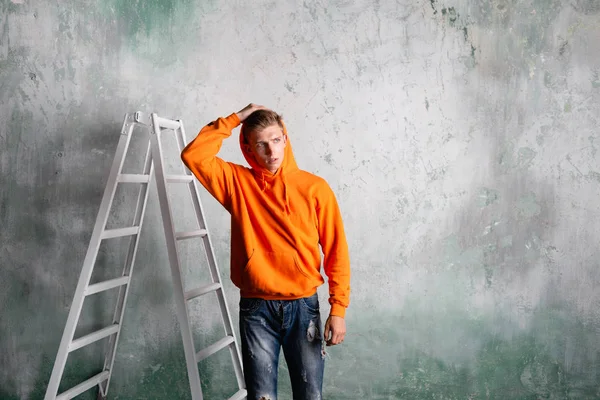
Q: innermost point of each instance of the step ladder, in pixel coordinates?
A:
(153, 168)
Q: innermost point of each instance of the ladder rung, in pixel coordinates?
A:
(133, 178)
(241, 394)
(120, 232)
(83, 386)
(213, 348)
(167, 123)
(179, 178)
(93, 337)
(192, 294)
(191, 234)
(106, 285)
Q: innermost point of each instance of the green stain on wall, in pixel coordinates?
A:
(511, 159)
(451, 14)
(398, 360)
(593, 175)
(146, 17)
(158, 30)
(528, 206)
(455, 254)
(432, 2)
(140, 370)
(160, 373)
(596, 80)
(160, 376)
(525, 156)
(452, 17)
(506, 241)
(487, 197)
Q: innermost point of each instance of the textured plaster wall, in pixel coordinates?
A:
(460, 136)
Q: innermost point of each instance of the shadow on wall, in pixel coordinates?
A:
(53, 188)
(52, 214)
(50, 210)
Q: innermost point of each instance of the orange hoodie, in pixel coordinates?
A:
(277, 221)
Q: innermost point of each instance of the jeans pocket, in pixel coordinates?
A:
(311, 303)
(248, 306)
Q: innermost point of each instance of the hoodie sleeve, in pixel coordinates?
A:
(200, 156)
(335, 250)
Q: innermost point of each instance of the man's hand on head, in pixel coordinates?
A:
(335, 330)
(249, 109)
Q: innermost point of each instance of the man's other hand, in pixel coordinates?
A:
(335, 330)
(249, 109)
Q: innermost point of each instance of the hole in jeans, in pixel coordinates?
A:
(311, 332)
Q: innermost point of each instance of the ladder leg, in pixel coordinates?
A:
(89, 261)
(182, 312)
(140, 211)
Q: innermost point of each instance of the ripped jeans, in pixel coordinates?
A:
(266, 326)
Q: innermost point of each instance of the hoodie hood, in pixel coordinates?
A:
(288, 165)
(289, 162)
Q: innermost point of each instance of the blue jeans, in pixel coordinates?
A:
(266, 326)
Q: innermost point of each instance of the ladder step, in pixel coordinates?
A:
(106, 285)
(213, 348)
(179, 178)
(241, 394)
(192, 294)
(167, 123)
(93, 337)
(191, 234)
(133, 178)
(83, 386)
(120, 232)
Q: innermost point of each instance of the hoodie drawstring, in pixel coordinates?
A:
(285, 195)
(286, 200)
(263, 182)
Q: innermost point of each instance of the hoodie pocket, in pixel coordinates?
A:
(277, 274)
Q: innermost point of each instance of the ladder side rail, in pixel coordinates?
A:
(140, 212)
(236, 355)
(181, 306)
(181, 140)
(198, 208)
(90, 259)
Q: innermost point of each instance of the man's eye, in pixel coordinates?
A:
(277, 140)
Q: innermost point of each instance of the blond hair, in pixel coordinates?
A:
(259, 120)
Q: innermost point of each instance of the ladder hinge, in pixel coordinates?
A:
(141, 118)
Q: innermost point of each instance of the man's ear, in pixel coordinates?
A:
(248, 148)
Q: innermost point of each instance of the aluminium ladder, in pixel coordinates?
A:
(153, 168)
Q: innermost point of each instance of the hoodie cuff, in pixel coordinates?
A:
(338, 310)
(233, 119)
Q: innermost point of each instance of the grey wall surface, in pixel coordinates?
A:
(460, 136)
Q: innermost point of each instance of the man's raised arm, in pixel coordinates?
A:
(200, 155)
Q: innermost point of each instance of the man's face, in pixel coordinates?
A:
(268, 147)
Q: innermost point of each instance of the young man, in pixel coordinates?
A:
(279, 217)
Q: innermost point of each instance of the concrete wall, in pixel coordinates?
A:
(460, 136)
